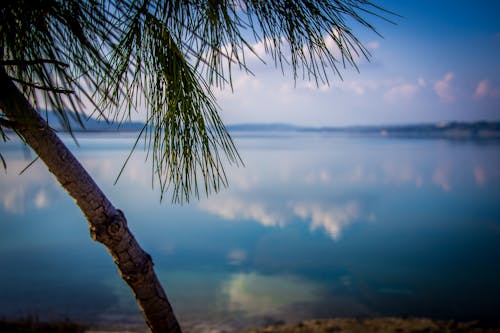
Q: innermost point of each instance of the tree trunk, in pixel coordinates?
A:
(107, 224)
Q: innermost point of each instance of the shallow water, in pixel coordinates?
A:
(315, 225)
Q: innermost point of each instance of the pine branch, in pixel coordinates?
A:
(20, 63)
(7, 123)
(39, 87)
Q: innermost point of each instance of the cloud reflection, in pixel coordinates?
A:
(319, 177)
(42, 199)
(237, 209)
(13, 200)
(35, 188)
(236, 257)
(441, 178)
(402, 172)
(257, 294)
(332, 219)
(479, 176)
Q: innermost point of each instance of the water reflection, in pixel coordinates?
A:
(262, 295)
(402, 172)
(332, 218)
(274, 191)
(34, 189)
(441, 178)
(479, 175)
(232, 208)
(236, 257)
(313, 226)
(13, 200)
(278, 194)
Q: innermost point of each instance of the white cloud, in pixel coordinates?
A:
(361, 87)
(404, 91)
(356, 87)
(395, 88)
(323, 87)
(372, 45)
(443, 88)
(259, 49)
(485, 89)
(331, 44)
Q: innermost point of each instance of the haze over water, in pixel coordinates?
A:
(316, 225)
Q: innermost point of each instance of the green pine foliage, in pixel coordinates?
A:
(164, 58)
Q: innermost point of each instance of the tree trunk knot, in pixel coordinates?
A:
(111, 230)
(117, 225)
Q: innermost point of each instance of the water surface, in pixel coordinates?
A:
(316, 225)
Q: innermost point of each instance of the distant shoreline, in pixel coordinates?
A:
(347, 325)
(382, 324)
(483, 130)
(458, 130)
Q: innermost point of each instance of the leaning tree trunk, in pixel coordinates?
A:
(107, 224)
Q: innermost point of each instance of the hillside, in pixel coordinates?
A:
(91, 124)
(452, 130)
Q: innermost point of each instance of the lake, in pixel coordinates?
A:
(315, 225)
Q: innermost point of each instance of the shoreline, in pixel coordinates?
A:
(382, 324)
(339, 325)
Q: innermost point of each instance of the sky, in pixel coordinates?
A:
(440, 62)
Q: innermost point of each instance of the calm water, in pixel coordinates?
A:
(315, 225)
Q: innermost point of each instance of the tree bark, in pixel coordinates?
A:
(107, 224)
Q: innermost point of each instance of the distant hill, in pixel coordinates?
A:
(482, 129)
(90, 124)
(264, 128)
(455, 130)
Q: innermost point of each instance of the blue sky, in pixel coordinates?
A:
(439, 63)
